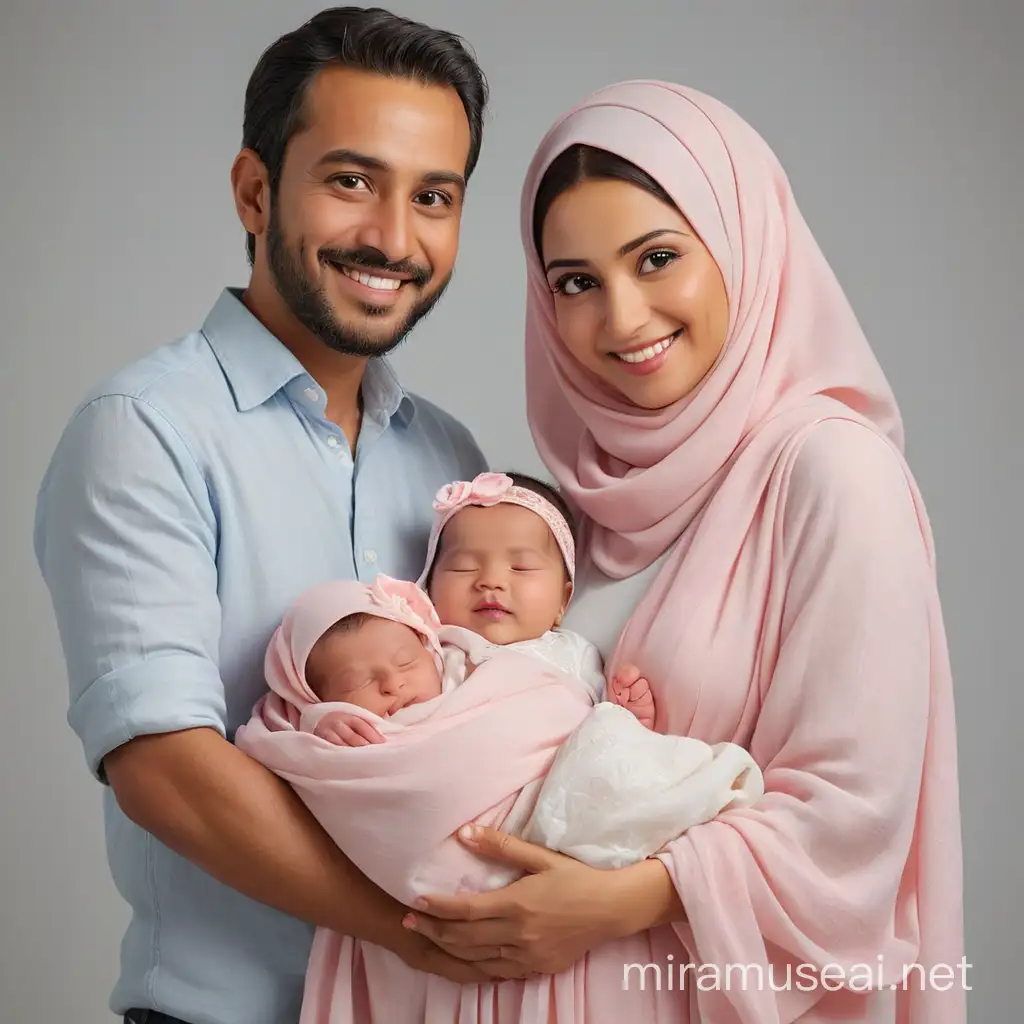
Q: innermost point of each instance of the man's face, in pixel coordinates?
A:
(364, 226)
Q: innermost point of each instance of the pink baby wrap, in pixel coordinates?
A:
(394, 807)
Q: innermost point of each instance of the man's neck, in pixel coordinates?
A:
(339, 375)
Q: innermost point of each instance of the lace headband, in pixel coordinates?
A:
(489, 489)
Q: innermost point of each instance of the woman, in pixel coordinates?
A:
(700, 389)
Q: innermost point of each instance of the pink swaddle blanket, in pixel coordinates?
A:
(394, 807)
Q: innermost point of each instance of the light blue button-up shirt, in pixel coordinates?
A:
(191, 498)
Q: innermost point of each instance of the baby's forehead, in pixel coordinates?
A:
(503, 527)
(376, 633)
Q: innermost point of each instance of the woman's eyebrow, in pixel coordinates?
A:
(624, 250)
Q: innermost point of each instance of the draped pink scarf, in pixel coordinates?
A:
(797, 611)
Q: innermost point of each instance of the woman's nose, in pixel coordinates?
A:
(626, 311)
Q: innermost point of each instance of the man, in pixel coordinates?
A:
(200, 490)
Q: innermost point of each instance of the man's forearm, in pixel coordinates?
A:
(212, 804)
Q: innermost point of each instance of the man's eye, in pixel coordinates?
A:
(349, 182)
(434, 197)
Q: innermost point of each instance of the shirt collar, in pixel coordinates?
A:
(257, 365)
(383, 396)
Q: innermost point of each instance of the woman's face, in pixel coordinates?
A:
(639, 300)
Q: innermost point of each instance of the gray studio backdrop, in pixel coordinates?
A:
(900, 125)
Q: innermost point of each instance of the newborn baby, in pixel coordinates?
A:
(375, 664)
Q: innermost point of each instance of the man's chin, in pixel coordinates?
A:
(363, 332)
(362, 329)
(351, 344)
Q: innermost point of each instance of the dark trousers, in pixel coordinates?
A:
(150, 1017)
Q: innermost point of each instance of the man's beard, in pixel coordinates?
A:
(309, 304)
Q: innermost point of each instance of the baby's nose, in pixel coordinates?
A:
(391, 682)
(491, 579)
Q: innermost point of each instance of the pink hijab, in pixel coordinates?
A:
(796, 611)
(794, 352)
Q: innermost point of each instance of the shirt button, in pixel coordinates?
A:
(332, 441)
(370, 555)
(312, 394)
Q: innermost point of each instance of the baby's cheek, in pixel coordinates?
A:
(545, 602)
(370, 699)
(452, 607)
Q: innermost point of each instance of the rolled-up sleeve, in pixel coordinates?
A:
(126, 540)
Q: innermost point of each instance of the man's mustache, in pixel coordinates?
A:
(368, 258)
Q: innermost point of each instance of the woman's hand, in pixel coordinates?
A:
(549, 919)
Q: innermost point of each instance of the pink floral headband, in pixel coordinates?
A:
(489, 489)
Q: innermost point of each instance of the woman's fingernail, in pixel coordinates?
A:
(469, 832)
(420, 904)
(409, 921)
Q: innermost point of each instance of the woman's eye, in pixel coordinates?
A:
(657, 261)
(573, 284)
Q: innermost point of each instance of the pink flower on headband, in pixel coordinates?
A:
(405, 602)
(490, 489)
(485, 489)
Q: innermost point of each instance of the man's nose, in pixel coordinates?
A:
(387, 228)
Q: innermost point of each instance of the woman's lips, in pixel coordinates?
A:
(648, 358)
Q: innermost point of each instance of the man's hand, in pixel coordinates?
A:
(421, 954)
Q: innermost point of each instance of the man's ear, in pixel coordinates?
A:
(250, 185)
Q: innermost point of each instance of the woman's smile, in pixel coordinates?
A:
(646, 358)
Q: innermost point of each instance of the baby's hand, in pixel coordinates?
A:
(631, 690)
(346, 730)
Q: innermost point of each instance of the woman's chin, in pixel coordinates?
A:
(656, 392)
(673, 381)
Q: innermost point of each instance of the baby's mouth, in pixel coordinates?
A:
(492, 610)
